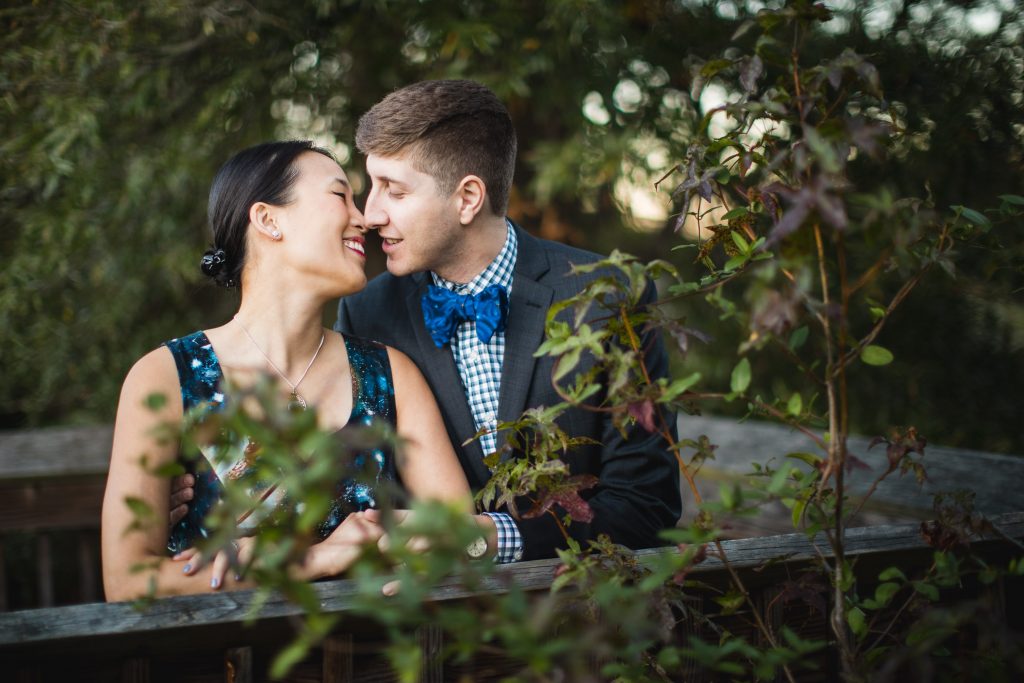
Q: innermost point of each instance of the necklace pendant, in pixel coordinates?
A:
(296, 402)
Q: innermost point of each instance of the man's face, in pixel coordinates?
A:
(419, 228)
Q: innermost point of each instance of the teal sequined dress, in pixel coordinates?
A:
(373, 399)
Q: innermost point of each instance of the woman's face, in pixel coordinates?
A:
(322, 229)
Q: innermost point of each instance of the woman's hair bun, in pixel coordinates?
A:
(213, 264)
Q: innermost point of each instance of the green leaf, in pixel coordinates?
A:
(735, 262)
(891, 574)
(1012, 199)
(975, 217)
(740, 242)
(738, 212)
(156, 401)
(714, 66)
(798, 512)
(741, 376)
(798, 337)
(885, 591)
(170, 469)
(873, 354)
(927, 590)
(730, 602)
(809, 458)
(567, 362)
(795, 405)
(855, 618)
(138, 507)
(730, 495)
(678, 387)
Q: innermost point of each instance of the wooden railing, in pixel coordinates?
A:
(203, 637)
(52, 480)
(51, 490)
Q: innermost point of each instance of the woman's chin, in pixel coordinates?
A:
(349, 287)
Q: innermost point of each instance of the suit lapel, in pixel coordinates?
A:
(438, 366)
(528, 308)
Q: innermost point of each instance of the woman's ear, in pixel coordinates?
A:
(470, 197)
(261, 217)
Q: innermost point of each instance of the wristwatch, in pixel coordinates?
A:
(477, 548)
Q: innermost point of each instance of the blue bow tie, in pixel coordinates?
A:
(444, 310)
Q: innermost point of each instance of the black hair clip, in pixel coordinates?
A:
(213, 261)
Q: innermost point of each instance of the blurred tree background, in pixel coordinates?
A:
(115, 114)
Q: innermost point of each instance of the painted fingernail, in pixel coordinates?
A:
(214, 582)
(186, 569)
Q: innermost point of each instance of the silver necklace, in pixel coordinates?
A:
(295, 398)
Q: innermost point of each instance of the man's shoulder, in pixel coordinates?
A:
(561, 259)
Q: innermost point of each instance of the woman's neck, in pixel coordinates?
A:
(284, 325)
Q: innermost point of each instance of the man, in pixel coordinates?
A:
(440, 156)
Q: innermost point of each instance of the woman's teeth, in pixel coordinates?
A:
(355, 246)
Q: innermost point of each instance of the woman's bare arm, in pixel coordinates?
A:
(429, 467)
(130, 541)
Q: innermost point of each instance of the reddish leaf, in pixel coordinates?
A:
(855, 463)
(566, 495)
(643, 412)
(579, 510)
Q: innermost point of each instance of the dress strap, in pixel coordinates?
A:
(373, 394)
(199, 370)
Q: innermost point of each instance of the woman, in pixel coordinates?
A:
(287, 232)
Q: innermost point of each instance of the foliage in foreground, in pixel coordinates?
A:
(811, 269)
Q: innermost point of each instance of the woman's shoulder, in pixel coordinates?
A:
(162, 365)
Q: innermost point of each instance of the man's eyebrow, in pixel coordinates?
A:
(390, 181)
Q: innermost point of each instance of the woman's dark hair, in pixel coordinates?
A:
(264, 173)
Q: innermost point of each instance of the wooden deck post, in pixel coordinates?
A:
(431, 639)
(338, 665)
(238, 665)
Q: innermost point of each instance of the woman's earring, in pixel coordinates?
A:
(276, 234)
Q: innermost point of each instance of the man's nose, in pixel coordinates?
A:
(373, 214)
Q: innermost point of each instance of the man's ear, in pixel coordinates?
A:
(261, 217)
(471, 198)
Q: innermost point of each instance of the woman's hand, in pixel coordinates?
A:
(237, 556)
(342, 548)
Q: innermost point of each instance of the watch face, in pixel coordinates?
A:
(477, 548)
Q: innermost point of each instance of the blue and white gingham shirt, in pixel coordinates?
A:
(479, 366)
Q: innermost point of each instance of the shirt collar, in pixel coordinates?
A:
(498, 272)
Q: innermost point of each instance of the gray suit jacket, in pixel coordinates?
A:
(638, 490)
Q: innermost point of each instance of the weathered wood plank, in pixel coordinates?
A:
(993, 477)
(48, 504)
(49, 627)
(55, 451)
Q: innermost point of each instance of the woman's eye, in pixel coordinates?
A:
(340, 194)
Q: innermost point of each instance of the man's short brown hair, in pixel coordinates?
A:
(450, 129)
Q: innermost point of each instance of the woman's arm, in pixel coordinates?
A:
(429, 469)
(428, 465)
(129, 540)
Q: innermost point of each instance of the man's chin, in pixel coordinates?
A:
(399, 268)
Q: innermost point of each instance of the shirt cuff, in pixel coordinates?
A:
(510, 541)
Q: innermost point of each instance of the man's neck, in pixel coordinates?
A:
(482, 246)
